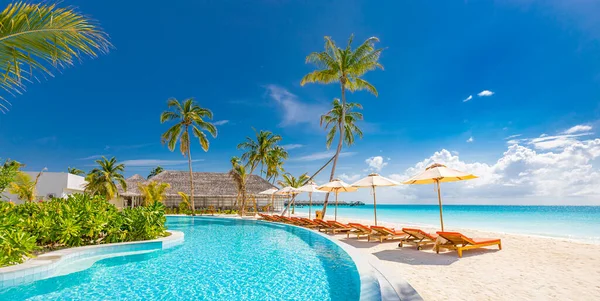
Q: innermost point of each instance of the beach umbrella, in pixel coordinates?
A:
(289, 191)
(271, 192)
(310, 187)
(337, 186)
(436, 174)
(373, 180)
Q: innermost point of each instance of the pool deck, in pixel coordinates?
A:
(59, 262)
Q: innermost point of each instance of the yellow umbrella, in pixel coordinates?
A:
(372, 181)
(337, 186)
(437, 173)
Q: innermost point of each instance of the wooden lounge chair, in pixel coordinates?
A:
(309, 223)
(460, 243)
(325, 227)
(288, 220)
(383, 233)
(338, 227)
(417, 237)
(358, 230)
(265, 217)
(301, 222)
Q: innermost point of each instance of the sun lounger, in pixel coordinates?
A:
(288, 220)
(417, 237)
(325, 227)
(358, 230)
(383, 233)
(309, 223)
(265, 217)
(338, 227)
(302, 222)
(460, 243)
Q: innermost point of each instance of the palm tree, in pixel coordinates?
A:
(102, 181)
(24, 187)
(153, 192)
(257, 152)
(75, 171)
(275, 160)
(239, 175)
(42, 38)
(332, 120)
(345, 66)
(185, 199)
(291, 181)
(155, 171)
(188, 115)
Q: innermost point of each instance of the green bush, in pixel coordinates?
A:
(75, 221)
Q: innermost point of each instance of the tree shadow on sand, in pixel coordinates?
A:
(410, 255)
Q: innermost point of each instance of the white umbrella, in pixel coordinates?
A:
(437, 173)
(289, 191)
(310, 187)
(271, 192)
(374, 180)
(337, 186)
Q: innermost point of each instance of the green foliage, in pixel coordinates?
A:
(263, 151)
(332, 120)
(102, 181)
(155, 171)
(153, 192)
(38, 38)
(78, 220)
(8, 172)
(76, 171)
(24, 187)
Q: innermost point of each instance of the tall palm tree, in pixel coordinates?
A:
(75, 171)
(155, 171)
(275, 160)
(188, 115)
(153, 192)
(42, 38)
(291, 181)
(346, 67)
(239, 175)
(102, 181)
(332, 120)
(257, 151)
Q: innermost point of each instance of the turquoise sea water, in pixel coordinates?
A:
(221, 259)
(572, 222)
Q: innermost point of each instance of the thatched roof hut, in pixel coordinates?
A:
(132, 186)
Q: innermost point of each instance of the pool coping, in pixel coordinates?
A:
(45, 265)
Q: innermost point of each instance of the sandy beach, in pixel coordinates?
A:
(527, 268)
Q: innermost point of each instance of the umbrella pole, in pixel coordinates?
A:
(336, 204)
(440, 201)
(309, 203)
(375, 205)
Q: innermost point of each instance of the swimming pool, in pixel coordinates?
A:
(221, 259)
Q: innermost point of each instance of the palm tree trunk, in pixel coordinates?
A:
(339, 147)
(191, 179)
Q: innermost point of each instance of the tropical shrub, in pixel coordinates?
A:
(78, 220)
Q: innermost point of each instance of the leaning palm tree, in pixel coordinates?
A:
(75, 171)
(23, 187)
(42, 38)
(290, 181)
(188, 115)
(333, 121)
(346, 67)
(153, 192)
(257, 151)
(103, 180)
(275, 160)
(239, 176)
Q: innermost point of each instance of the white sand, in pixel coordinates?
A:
(527, 268)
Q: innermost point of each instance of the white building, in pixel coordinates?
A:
(52, 184)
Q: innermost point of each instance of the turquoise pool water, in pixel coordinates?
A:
(221, 259)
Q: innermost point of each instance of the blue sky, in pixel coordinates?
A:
(539, 62)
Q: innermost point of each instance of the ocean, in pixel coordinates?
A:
(580, 223)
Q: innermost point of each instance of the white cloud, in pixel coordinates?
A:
(471, 139)
(93, 157)
(547, 142)
(468, 98)
(292, 146)
(485, 93)
(350, 178)
(376, 163)
(577, 129)
(512, 136)
(155, 162)
(294, 110)
(321, 156)
(221, 122)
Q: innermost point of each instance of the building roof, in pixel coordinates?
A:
(205, 183)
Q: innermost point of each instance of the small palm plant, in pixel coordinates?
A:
(290, 181)
(153, 192)
(40, 38)
(76, 171)
(102, 181)
(239, 176)
(155, 171)
(24, 187)
(185, 201)
(189, 116)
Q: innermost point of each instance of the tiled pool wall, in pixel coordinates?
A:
(46, 264)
